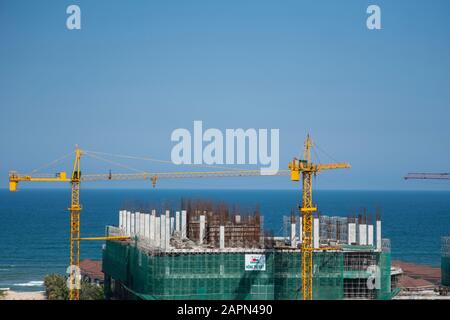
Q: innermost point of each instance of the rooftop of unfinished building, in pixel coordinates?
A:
(206, 227)
(186, 245)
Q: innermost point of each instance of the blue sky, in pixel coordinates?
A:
(137, 70)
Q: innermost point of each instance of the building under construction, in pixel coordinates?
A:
(206, 251)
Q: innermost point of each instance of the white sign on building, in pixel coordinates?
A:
(255, 262)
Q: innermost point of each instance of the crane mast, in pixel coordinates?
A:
(307, 209)
(75, 209)
(428, 176)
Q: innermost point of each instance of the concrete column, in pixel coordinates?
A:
(316, 233)
(378, 234)
(177, 221)
(157, 231)
(152, 225)
(133, 225)
(163, 232)
(128, 222)
(300, 230)
(351, 234)
(172, 225)
(202, 229)
(167, 238)
(147, 226)
(137, 223)
(370, 234)
(183, 224)
(120, 219)
(222, 237)
(363, 234)
(142, 224)
(293, 236)
(124, 221)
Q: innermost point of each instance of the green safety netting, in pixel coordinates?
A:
(445, 270)
(224, 275)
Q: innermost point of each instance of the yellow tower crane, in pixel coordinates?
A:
(75, 208)
(307, 210)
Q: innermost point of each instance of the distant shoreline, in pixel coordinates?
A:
(25, 295)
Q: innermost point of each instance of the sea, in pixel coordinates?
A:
(34, 223)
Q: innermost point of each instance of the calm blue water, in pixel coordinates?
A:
(34, 223)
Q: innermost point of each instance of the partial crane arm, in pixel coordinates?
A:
(297, 166)
(176, 175)
(15, 178)
(331, 166)
(422, 176)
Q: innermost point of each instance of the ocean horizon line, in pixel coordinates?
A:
(226, 189)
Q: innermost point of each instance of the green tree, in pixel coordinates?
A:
(91, 291)
(56, 289)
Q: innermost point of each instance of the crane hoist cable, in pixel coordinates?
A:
(159, 160)
(115, 163)
(51, 163)
(324, 152)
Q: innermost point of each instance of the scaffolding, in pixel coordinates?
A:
(333, 229)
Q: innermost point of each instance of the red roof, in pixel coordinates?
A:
(411, 283)
(416, 276)
(92, 269)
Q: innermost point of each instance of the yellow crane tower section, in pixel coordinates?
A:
(308, 169)
(74, 209)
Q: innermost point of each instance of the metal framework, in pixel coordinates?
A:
(307, 210)
(75, 208)
(425, 176)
